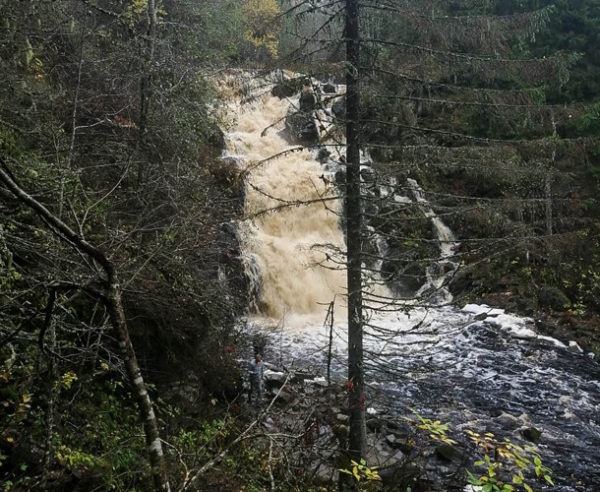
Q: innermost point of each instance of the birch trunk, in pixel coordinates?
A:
(112, 300)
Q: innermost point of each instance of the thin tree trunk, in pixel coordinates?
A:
(73, 131)
(112, 300)
(146, 80)
(356, 389)
(114, 306)
(548, 182)
(50, 326)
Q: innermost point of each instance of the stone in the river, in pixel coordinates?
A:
(329, 88)
(339, 108)
(308, 101)
(374, 424)
(323, 155)
(532, 434)
(302, 128)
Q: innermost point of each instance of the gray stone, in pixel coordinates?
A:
(302, 128)
(446, 452)
(329, 88)
(323, 155)
(308, 101)
(532, 434)
(374, 424)
(285, 397)
(339, 108)
(391, 439)
(288, 87)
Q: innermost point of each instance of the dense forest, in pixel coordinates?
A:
(455, 152)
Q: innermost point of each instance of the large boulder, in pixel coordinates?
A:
(308, 101)
(302, 128)
(339, 108)
(407, 280)
(288, 87)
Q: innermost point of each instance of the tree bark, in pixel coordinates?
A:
(146, 79)
(356, 389)
(112, 300)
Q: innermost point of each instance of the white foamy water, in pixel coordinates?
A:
(292, 231)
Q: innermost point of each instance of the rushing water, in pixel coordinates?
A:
(474, 367)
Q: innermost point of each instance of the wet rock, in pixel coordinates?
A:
(329, 88)
(302, 128)
(401, 476)
(408, 280)
(574, 347)
(285, 397)
(532, 434)
(216, 138)
(323, 155)
(446, 452)
(288, 87)
(274, 380)
(367, 174)
(508, 422)
(374, 424)
(339, 108)
(308, 101)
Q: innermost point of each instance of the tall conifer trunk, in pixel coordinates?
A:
(356, 390)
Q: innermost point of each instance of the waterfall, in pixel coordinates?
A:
(438, 273)
(292, 239)
(291, 234)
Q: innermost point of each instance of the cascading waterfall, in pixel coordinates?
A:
(292, 234)
(485, 369)
(435, 284)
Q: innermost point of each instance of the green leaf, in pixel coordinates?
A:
(527, 488)
(548, 479)
(472, 479)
